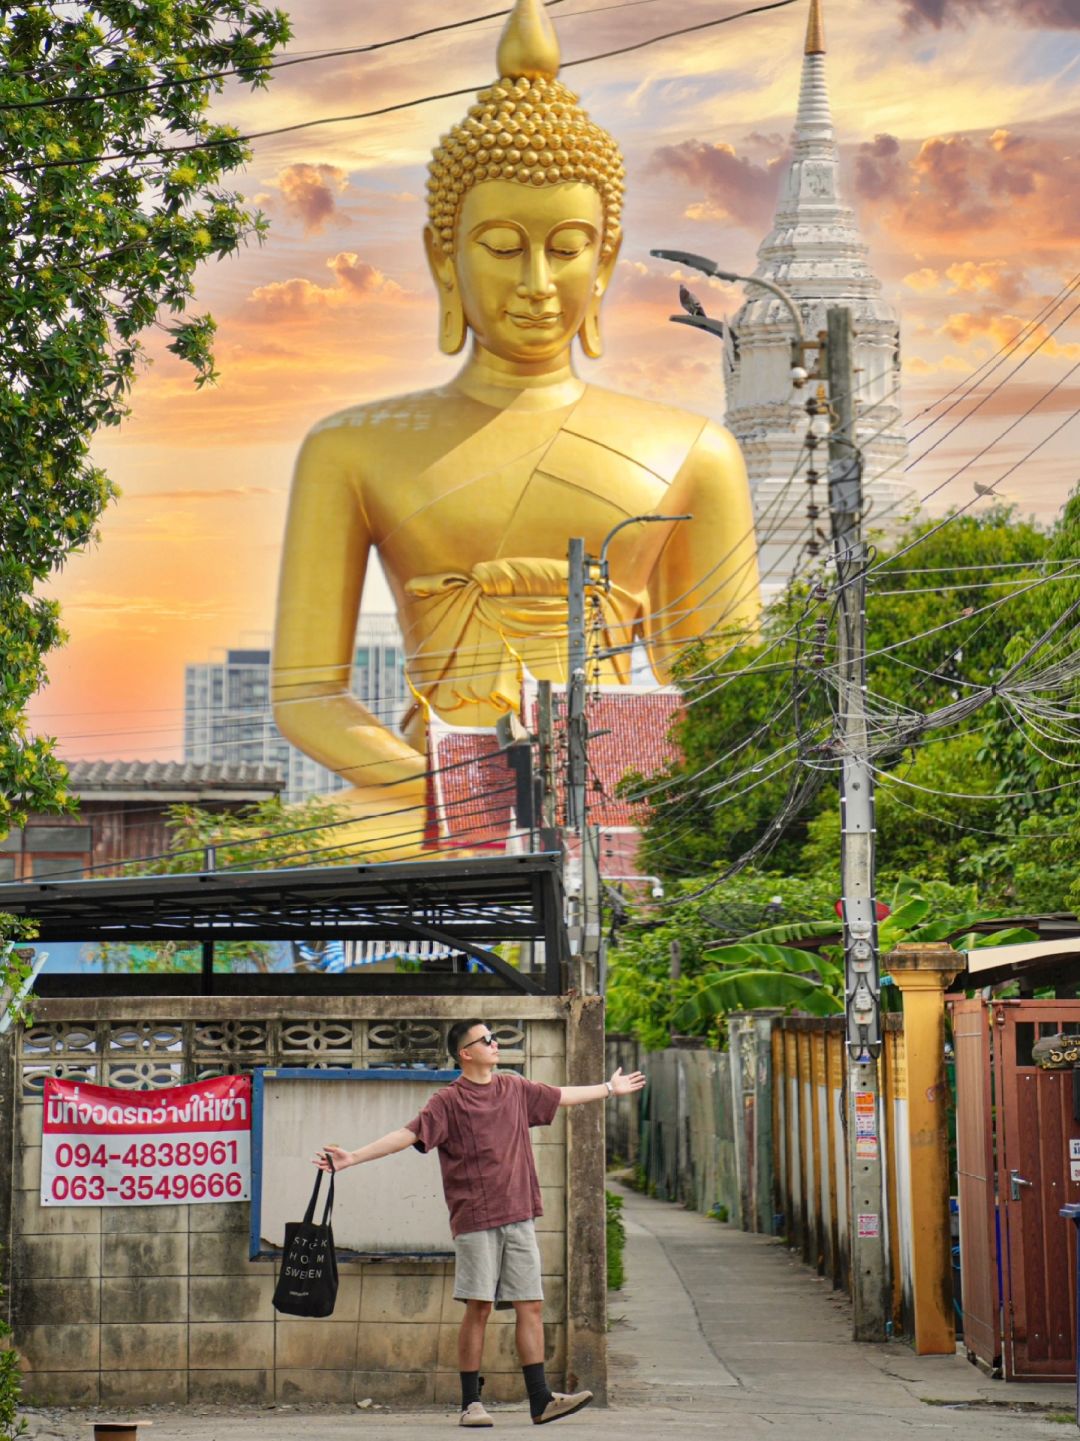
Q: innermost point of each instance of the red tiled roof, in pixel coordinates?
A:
(474, 786)
(638, 740)
(474, 789)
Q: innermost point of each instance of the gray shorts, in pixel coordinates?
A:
(500, 1265)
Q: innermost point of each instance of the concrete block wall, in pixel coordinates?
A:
(134, 1305)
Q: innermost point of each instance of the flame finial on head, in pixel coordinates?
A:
(529, 47)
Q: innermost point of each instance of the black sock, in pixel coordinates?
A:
(537, 1387)
(471, 1385)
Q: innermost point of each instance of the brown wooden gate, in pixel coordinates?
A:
(1018, 1147)
(1034, 1182)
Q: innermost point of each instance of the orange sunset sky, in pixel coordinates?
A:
(958, 122)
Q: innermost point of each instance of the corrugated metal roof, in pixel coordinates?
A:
(87, 776)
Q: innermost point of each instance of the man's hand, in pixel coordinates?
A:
(338, 1154)
(626, 1085)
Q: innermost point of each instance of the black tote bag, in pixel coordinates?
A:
(308, 1282)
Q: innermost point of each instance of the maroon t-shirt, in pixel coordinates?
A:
(482, 1136)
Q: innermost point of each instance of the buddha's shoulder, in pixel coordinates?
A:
(657, 436)
(391, 415)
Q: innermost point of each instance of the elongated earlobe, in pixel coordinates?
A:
(592, 342)
(452, 326)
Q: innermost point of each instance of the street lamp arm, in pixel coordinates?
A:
(710, 267)
(632, 520)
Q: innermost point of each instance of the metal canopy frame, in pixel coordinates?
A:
(466, 905)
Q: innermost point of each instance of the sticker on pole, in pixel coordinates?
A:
(185, 1144)
(869, 1225)
(865, 1113)
(1074, 1150)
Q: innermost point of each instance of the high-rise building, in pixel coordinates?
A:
(227, 715)
(816, 253)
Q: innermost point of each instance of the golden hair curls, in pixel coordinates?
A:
(530, 130)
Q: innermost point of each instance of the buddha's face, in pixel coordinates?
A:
(527, 264)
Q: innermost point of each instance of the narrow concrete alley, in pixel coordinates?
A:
(716, 1334)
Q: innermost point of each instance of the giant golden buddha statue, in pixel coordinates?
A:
(470, 492)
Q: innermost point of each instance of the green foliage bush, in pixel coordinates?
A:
(978, 821)
(110, 199)
(616, 1241)
(703, 814)
(11, 1423)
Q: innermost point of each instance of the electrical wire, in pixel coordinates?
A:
(81, 162)
(179, 82)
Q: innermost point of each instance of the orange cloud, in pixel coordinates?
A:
(309, 193)
(1039, 14)
(879, 168)
(734, 187)
(996, 277)
(923, 281)
(299, 299)
(1002, 329)
(977, 189)
(915, 365)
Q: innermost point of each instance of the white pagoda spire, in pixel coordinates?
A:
(816, 253)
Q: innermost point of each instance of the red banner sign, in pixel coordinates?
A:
(185, 1144)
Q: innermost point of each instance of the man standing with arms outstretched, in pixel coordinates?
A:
(480, 1127)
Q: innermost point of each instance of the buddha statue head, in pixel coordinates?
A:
(524, 204)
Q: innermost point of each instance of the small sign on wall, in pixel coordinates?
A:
(184, 1144)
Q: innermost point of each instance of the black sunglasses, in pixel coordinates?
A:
(480, 1040)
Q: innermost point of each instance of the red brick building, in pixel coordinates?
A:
(473, 785)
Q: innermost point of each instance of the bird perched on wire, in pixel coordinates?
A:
(690, 303)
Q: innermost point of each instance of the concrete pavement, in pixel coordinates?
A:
(715, 1335)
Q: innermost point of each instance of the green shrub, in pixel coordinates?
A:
(616, 1241)
(11, 1424)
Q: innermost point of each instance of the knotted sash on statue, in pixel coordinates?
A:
(479, 629)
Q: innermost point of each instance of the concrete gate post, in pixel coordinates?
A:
(923, 972)
(586, 1216)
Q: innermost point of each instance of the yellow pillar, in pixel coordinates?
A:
(923, 973)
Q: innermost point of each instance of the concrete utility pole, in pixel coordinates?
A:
(550, 839)
(866, 1209)
(588, 919)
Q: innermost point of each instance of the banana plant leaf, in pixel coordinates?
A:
(754, 990)
(942, 930)
(795, 931)
(904, 917)
(746, 955)
(1012, 936)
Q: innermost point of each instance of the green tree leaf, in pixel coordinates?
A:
(102, 229)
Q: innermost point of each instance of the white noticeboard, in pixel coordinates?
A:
(391, 1207)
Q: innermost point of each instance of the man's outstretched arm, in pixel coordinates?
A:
(619, 1085)
(388, 1145)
